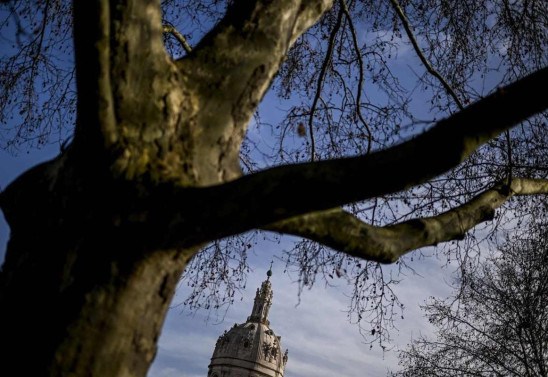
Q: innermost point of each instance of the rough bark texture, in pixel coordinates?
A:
(80, 295)
(100, 235)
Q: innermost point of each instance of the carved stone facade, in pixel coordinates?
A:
(250, 349)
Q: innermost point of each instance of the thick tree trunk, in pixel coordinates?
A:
(102, 317)
(79, 295)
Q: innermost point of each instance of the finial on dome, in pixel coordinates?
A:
(269, 272)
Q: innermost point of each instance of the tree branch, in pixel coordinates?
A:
(319, 86)
(361, 78)
(170, 29)
(344, 232)
(176, 216)
(120, 54)
(405, 22)
(283, 192)
(233, 67)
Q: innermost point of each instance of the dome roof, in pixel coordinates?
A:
(251, 348)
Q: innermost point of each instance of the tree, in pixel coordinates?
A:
(497, 325)
(101, 234)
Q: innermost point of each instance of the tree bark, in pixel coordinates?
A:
(90, 310)
(80, 295)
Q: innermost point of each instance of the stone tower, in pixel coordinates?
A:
(250, 349)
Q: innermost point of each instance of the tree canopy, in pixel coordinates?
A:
(405, 124)
(496, 325)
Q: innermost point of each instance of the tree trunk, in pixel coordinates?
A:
(80, 296)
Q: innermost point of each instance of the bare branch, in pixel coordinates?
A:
(321, 77)
(420, 54)
(170, 29)
(343, 231)
(494, 322)
(259, 199)
(361, 74)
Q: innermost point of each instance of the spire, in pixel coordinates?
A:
(251, 348)
(263, 301)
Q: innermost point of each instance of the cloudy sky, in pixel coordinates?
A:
(320, 339)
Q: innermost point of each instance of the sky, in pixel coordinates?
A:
(315, 330)
(314, 326)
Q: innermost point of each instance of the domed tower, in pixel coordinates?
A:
(250, 349)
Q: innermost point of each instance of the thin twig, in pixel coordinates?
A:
(321, 77)
(509, 157)
(424, 60)
(344, 7)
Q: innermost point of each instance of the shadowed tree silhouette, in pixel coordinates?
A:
(497, 324)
